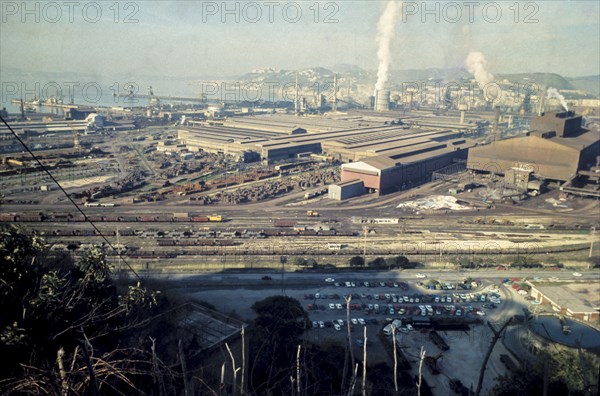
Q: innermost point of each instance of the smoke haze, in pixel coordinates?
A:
(385, 34)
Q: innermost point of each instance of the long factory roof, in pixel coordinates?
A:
(355, 135)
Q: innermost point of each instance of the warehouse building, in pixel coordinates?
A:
(346, 190)
(556, 149)
(406, 167)
(568, 300)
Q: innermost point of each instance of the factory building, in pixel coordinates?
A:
(347, 138)
(346, 190)
(556, 149)
(406, 167)
(274, 152)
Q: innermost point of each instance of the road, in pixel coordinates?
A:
(311, 279)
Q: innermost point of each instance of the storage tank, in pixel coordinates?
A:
(382, 100)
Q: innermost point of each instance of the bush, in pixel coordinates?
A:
(357, 261)
(379, 262)
(300, 261)
(311, 262)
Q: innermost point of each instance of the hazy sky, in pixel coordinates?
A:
(189, 38)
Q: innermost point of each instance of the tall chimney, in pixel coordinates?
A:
(382, 100)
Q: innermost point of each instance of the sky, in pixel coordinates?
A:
(200, 38)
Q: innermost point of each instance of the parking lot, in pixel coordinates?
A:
(380, 302)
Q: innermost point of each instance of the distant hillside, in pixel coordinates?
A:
(590, 84)
(546, 79)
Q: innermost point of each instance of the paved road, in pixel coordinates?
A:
(306, 278)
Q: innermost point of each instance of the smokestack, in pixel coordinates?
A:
(497, 116)
(297, 99)
(335, 92)
(382, 100)
(463, 109)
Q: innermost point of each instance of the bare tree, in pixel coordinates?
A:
(395, 359)
(234, 369)
(364, 379)
(186, 385)
(298, 369)
(348, 299)
(495, 338)
(351, 391)
(421, 359)
(242, 389)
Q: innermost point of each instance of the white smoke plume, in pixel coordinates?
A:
(553, 93)
(385, 33)
(477, 66)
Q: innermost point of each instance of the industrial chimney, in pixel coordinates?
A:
(382, 100)
(462, 108)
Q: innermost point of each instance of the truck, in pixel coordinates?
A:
(312, 213)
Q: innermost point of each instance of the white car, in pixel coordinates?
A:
(337, 327)
(321, 324)
(409, 327)
(329, 280)
(421, 276)
(339, 306)
(315, 324)
(577, 274)
(332, 306)
(522, 292)
(354, 321)
(480, 313)
(361, 321)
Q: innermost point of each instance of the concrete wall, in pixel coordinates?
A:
(370, 180)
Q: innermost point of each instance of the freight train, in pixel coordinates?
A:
(68, 217)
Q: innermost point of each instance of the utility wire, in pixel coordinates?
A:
(69, 198)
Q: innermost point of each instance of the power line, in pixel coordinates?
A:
(69, 198)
